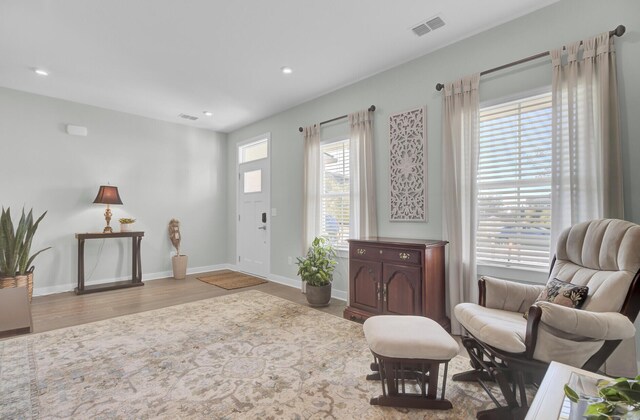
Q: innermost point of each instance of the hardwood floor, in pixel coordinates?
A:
(68, 309)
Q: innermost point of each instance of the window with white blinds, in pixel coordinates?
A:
(514, 184)
(334, 192)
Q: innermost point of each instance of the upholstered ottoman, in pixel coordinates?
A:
(408, 352)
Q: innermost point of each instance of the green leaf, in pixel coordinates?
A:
(570, 393)
(598, 409)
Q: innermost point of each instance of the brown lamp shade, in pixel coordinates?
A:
(108, 195)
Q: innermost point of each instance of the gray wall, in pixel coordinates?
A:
(162, 170)
(411, 85)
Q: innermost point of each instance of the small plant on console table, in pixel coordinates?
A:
(126, 224)
(316, 269)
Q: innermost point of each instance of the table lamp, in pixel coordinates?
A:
(108, 195)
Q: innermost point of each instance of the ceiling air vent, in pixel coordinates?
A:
(428, 26)
(421, 29)
(187, 117)
(435, 23)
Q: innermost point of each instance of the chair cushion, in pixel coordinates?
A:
(409, 337)
(505, 330)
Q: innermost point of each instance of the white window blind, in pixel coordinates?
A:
(514, 184)
(334, 192)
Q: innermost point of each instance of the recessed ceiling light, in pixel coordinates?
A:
(286, 70)
(207, 113)
(40, 72)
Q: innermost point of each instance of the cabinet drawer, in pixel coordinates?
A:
(395, 255)
(363, 252)
(399, 255)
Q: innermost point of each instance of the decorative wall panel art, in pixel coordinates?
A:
(407, 165)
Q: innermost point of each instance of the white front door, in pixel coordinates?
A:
(253, 232)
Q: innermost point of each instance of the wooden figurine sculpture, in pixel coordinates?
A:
(179, 262)
(174, 234)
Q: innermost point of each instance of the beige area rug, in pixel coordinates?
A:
(243, 356)
(232, 280)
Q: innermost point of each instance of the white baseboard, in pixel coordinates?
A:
(69, 287)
(286, 281)
(297, 284)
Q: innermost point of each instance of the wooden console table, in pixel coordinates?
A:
(136, 264)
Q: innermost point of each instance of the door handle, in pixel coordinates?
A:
(262, 227)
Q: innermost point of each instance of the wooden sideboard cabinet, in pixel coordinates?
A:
(397, 277)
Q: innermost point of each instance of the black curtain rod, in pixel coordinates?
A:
(371, 109)
(619, 31)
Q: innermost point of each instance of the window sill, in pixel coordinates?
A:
(516, 274)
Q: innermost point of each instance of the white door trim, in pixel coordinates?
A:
(268, 198)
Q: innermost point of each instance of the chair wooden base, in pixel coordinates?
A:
(411, 402)
(503, 413)
(505, 370)
(397, 376)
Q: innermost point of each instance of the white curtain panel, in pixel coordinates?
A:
(311, 195)
(586, 156)
(364, 220)
(459, 171)
(587, 167)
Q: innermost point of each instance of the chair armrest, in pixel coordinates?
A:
(596, 325)
(507, 295)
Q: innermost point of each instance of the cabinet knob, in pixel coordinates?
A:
(361, 251)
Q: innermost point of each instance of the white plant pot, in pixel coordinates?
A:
(179, 263)
(126, 227)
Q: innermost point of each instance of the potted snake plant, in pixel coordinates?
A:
(15, 250)
(316, 270)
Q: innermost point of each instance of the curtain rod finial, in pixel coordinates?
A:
(372, 108)
(439, 86)
(300, 129)
(620, 30)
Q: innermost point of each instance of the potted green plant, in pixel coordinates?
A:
(15, 250)
(126, 224)
(178, 261)
(316, 269)
(617, 399)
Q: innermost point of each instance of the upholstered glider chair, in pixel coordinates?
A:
(604, 256)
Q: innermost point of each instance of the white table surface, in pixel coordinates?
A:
(547, 403)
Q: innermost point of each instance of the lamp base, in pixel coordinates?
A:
(107, 218)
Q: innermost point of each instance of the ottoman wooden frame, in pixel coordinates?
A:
(393, 374)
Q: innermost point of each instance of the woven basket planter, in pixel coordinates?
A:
(19, 281)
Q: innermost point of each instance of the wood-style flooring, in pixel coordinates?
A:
(68, 309)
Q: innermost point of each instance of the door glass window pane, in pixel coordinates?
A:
(254, 151)
(253, 181)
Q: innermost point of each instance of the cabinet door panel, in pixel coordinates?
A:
(402, 285)
(365, 284)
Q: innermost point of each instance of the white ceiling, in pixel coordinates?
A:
(160, 58)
